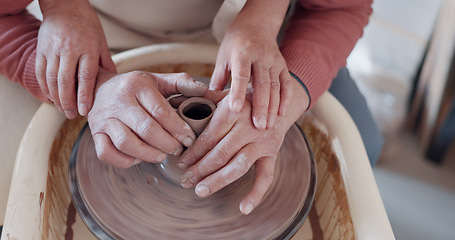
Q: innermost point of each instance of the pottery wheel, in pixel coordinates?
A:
(141, 203)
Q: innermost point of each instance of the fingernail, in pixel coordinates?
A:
(71, 114)
(236, 106)
(247, 208)
(198, 89)
(184, 179)
(282, 110)
(182, 165)
(201, 84)
(161, 157)
(83, 109)
(178, 152)
(136, 161)
(187, 142)
(202, 190)
(187, 127)
(260, 122)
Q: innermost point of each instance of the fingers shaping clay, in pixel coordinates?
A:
(197, 112)
(144, 202)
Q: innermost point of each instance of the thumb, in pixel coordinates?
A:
(179, 83)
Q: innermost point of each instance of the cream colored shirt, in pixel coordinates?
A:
(133, 23)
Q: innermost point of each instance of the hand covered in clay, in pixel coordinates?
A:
(250, 50)
(231, 144)
(71, 46)
(131, 121)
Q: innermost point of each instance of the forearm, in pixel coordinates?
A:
(12, 7)
(264, 15)
(18, 36)
(319, 39)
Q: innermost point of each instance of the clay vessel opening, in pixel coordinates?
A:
(197, 111)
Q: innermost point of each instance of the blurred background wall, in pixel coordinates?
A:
(419, 194)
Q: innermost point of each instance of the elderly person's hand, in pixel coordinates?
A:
(71, 46)
(131, 121)
(231, 144)
(250, 50)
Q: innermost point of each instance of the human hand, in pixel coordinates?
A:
(131, 120)
(230, 145)
(71, 46)
(250, 50)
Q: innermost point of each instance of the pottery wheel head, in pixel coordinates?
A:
(142, 203)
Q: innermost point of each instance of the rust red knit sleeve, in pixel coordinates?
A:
(18, 38)
(319, 38)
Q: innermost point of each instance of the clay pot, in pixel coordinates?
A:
(197, 112)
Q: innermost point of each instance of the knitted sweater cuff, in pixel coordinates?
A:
(29, 79)
(309, 70)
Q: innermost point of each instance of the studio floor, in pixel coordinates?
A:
(419, 196)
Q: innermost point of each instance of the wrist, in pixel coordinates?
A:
(302, 85)
(102, 77)
(267, 15)
(49, 7)
(300, 101)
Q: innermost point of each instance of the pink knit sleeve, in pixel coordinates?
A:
(13, 6)
(18, 37)
(319, 38)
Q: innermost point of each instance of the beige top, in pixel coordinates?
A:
(129, 24)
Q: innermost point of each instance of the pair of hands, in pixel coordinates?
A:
(251, 51)
(131, 121)
(72, 46)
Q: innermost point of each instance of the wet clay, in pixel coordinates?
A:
(57, 197)
(330, 215)
(316, 229)
(70, 220)
(141, 203)
(197, 112)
